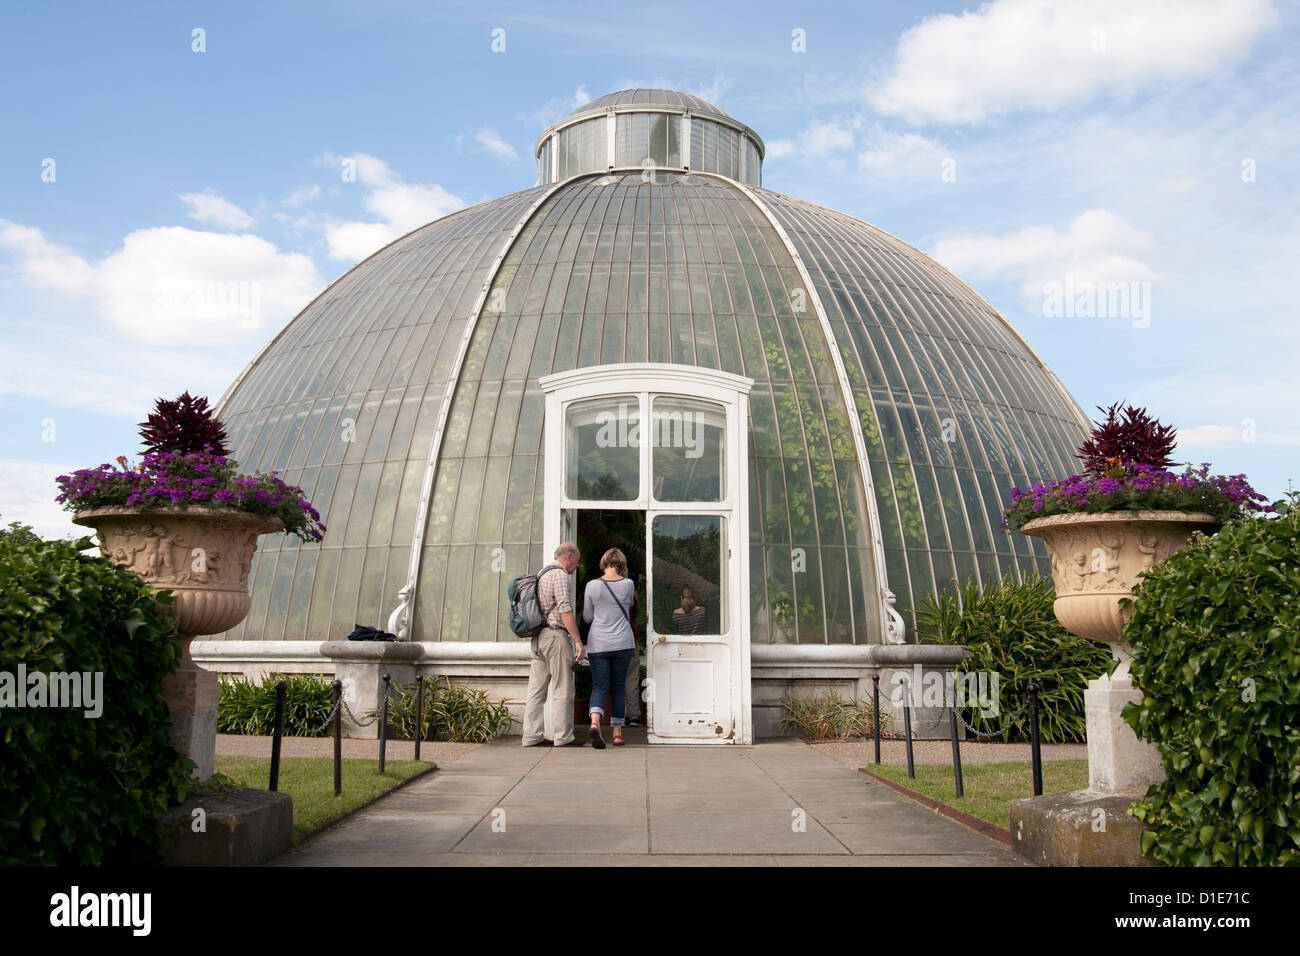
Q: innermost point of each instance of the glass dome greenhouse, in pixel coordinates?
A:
(524, 370)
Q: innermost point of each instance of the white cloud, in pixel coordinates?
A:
(210, 208)
(713, 91)
(300, 197)
(491, 140)
(171, 285)
(1045, 54)
(29, 493)
(400, 206)
(556, 108)
(889, 154)
(44, 264)
(779, 149)
(174, 286)
(819, 139)
(1211, 436)
(1098, 246)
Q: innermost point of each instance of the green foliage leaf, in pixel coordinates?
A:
(1010, 629)
(78, 791)
(1214, 633)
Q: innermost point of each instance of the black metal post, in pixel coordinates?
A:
(383, 725)
(1035, 746)
(956, 751)
(907, 726)
(276, 731)
(338, 737)
(875, 693)
(419, 704)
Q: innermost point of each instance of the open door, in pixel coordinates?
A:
(668, 443)
(691, 640)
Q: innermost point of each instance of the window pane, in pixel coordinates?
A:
(688, 571)
(690, 450)
(603, 448)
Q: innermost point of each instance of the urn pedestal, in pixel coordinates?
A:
(1096, 562)
(202, 556)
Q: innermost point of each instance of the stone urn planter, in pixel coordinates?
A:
(201, 555)
(1098, 558)
(1096, 562)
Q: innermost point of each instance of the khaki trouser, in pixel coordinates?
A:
(548, 712)
(633, 708)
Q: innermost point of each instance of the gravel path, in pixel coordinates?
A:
(443, 754)
(861, 753)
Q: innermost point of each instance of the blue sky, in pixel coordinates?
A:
(1144, 148)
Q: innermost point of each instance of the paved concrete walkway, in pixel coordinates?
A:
(777, 803)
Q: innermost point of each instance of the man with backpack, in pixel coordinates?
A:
(554, 649)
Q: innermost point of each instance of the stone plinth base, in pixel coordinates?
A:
(1079, 828)
(191, 698)
(242, 828)
(361, 666)
(1117, 760)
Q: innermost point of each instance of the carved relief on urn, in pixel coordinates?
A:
(201, 555)
(1098, 558)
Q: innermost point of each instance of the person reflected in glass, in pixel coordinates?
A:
(611, 642)
(689, 618)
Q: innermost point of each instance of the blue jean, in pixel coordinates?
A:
(609, 667)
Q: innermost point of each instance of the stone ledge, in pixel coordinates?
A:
(1057, 829)
(371, 650)
(241, 828)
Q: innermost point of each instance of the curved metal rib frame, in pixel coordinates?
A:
(891, 621)
(399, 621)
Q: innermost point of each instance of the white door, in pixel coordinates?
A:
(691, 643)
(668, 440)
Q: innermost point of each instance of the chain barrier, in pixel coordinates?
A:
(305, 732)
(907, 694)
(999, 732)
(378, 709)
(342, 702)
(985, 735)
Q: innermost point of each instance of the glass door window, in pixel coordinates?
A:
(689, 444)
(603, 449)
(689, 574)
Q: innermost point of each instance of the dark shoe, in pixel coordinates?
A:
(635, 722)
(542, 743)
(575, 742)
(597, 740)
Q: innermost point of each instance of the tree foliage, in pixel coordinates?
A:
(1215, 632)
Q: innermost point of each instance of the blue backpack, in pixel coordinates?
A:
(526, 615)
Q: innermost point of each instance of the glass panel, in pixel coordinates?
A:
(602, 449)
(688, 573)
(690, 450)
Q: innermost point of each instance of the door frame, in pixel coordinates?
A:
(678, 381)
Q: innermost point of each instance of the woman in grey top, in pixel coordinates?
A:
(607, 607)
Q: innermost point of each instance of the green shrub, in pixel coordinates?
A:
(1214, 631)
(1011, 630)
(76, 790)
(449, 712)
(248, 708)
(829, 717)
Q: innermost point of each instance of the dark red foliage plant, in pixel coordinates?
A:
(183, 426)
(1126, 438)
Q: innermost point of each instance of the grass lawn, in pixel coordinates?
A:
(310, 781)
(989, 787)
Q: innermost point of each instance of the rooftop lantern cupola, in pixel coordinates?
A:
(640, 129)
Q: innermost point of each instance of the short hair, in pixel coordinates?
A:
(614, 559)
(565, 549)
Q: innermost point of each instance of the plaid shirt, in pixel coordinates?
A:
(554, 588)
